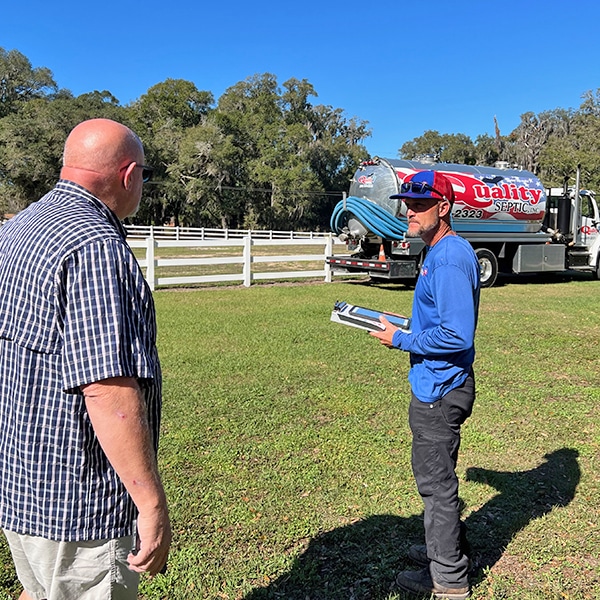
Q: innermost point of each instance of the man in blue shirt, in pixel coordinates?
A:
(80, 381)
(442, 351)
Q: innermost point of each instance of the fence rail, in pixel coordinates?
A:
(205, 233)
(247, 258)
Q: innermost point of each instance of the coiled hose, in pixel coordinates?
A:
(375, 218)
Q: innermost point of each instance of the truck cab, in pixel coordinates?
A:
(590, 220)
(573, 219)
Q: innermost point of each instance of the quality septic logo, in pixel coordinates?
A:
(521, 197)
(365, 181)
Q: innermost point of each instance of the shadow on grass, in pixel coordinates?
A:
(503, 280)
(541, 278)
(360, 561)
(522, 497)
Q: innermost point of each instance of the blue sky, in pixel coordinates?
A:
(403, 67)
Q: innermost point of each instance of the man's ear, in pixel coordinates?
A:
(444, 208)
(127, 176)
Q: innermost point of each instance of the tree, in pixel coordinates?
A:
(458, 148)
(255, 114)
(210, 167)
(486, 150)
(19, 82)
(334, 153)
(176, 102)
(32, 140)
(450, 148)
(591, 103)
(263, 157)
(161, 117)
(533, 133)
(428, 144)
(575, 143)
(294, 150)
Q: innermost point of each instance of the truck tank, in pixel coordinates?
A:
(487, 199)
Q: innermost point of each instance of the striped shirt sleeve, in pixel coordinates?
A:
(106, 310)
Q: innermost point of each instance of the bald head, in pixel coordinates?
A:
(101, 144)
(101, 155)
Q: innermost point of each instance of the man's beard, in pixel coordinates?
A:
(417, 233)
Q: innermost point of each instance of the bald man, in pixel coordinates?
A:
(81, 501)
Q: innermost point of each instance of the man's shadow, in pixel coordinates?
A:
(523, 496)
(360, 561)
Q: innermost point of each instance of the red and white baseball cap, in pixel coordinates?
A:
(430, 185)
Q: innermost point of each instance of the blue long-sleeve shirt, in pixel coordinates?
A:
(444, 319)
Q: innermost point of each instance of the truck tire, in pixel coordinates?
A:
(488, 264)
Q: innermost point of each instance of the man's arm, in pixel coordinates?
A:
(117, 411)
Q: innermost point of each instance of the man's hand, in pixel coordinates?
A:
(154, 539)
(385, 336)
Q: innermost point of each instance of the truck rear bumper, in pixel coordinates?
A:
(388, 269)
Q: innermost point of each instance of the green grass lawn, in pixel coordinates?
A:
(285, 448)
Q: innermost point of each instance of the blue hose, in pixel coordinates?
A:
(375, 218)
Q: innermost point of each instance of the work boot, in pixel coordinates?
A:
(420, 583)
(418, 554)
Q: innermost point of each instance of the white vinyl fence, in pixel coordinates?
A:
(247, 259)
(206, 233)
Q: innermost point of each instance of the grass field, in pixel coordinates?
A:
(285, 447)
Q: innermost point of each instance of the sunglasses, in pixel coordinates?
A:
(419, 187)
(146, 171)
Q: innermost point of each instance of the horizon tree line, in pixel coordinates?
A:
(262, 156)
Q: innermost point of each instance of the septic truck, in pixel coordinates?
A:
(513, 222)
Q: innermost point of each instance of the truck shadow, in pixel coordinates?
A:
(539, 278)
(503, 280)
(360, 561)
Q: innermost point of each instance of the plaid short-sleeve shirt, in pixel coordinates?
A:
(74, 309)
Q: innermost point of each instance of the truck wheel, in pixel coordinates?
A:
(488, 264)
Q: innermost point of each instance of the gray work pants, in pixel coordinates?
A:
(436, 440)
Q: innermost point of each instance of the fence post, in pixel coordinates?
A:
(328, 252)
(247, 261)
(150, 262)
